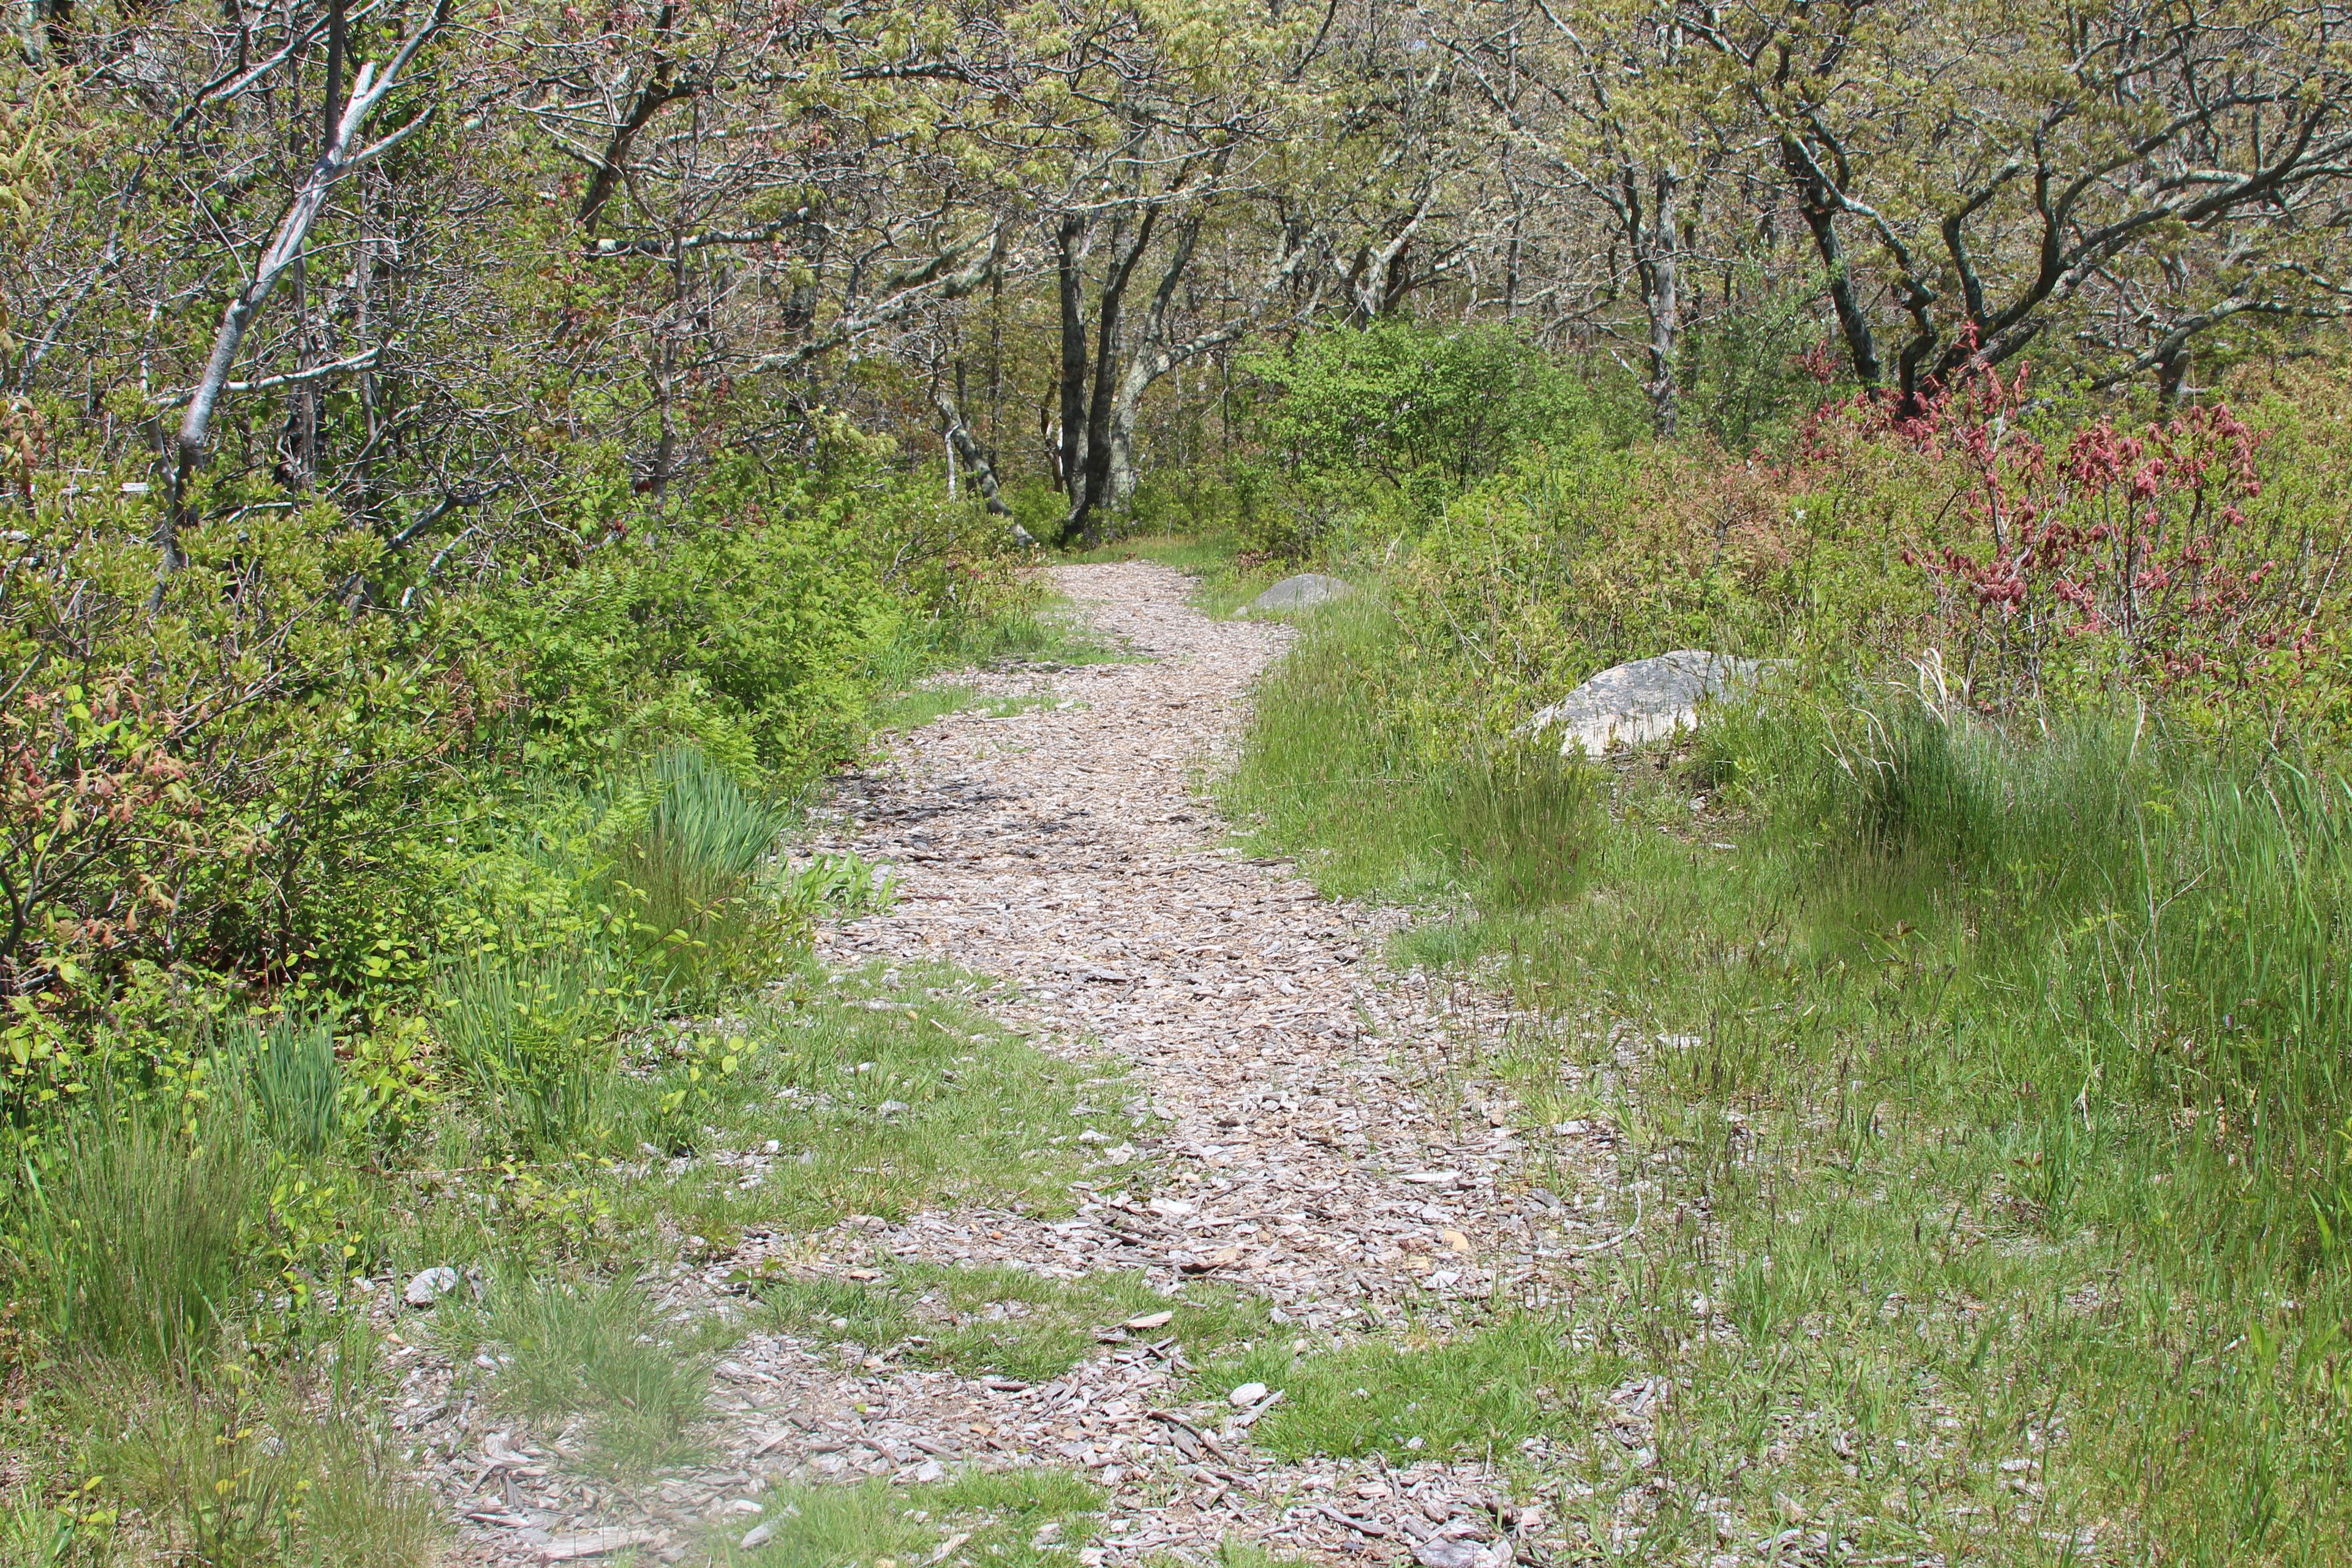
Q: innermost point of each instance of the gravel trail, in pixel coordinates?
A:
(1314, 1133)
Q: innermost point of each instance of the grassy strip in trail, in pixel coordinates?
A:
(899, 1095)
(1475, 1396)
(2003, 1163)
(1006, 1321)
(1007, 1518)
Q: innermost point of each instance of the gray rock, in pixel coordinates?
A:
(1303, 592)
(759, 1535)
(1439, 1551)
(430, 1286)
(1645, 700)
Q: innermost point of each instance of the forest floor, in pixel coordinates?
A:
(1274, 1313)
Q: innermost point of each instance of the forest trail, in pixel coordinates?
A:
(1278, 1112)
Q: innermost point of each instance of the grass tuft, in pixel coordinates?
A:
(1476, 1396)
(141, 1225)
(1003, 1519)
(1001, 1320)
(598, 1348)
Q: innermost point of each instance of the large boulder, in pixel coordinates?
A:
(1303, 592)
(1645, 700)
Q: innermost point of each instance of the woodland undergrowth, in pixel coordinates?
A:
(1971, 989)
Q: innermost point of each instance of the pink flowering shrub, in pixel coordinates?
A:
(2145, 559)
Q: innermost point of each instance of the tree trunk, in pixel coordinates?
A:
(1071, 255)
(1658, 264)
(1820, 216)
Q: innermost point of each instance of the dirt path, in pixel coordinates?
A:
(1305, 1139)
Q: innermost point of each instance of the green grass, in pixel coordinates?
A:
(881, 1099)
(1003, 1519)
(1475, 1395)
(1995, 1089)
(231, 1466)
(1375, 803)
(595, 1347)
(1001, 1320)
(915, 708)
(139, 1225)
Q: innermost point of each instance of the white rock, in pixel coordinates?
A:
(1247, 1395)
(759, 1535)
(1647, 700)
(430, 1286)
(1439, 1551)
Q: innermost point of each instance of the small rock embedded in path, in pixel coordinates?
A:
(430, 1286)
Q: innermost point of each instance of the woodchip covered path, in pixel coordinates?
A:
(1315, 1131)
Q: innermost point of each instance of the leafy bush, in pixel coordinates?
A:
(218, 774)
(1399, 399)
(2069, 563)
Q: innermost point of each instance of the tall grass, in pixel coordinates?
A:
(1384, 804)
(283, 1073)
(535, 1033)
(139, 1227)
(691, 854)
(1994, 1083)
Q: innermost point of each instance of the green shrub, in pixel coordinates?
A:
(1397, 399)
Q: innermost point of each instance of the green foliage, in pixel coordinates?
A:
(742, 631)
(691, 865)
(1428, 410)
(221, 775)
(283, 1071)
(535, 1036)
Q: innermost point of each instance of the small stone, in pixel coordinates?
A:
(892, 1107)
(759, 1535)
(1247, 1395)
(930, 1470)
(430, 1286)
